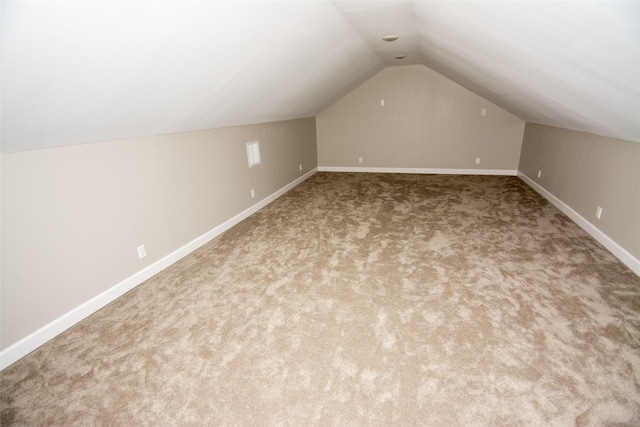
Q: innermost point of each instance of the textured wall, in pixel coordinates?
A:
(586, 171)
(427, 121)
(72, 217)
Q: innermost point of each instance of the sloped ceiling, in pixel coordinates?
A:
(86, 71)
(83, 71)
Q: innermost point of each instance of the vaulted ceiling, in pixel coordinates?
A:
(86, 71)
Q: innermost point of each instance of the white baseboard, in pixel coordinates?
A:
(34, 340)
(621, 253)
(507, 172)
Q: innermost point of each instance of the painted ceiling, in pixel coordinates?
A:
(87, 71)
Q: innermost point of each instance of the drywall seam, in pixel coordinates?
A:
(621, 253)
(34, 340)
(507, 172)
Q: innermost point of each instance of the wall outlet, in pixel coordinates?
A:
(300, 167)
(253, 193)
(483, 112)
(539, 174)
(477, 160)
(359, 159)
(598, 212)
(382, 102)
(141, 252)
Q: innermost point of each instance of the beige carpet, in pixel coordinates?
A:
(360, 299)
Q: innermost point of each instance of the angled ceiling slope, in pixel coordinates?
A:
(574, 65)
(76, 72)
(85, 71)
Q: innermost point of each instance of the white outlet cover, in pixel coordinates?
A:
(477, 160)
(359, 159)
(598, 212)
(141, 252)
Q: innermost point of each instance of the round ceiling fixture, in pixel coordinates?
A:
(400, 56)
(390, 38)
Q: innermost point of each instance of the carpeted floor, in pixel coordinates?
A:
(360, 299)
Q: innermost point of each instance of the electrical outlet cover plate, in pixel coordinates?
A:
(141, 252)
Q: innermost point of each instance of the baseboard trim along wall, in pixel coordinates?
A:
(34, 340)
(622, 254)
(506, 172)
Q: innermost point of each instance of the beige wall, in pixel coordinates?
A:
(428, 121)
(586, 171)
(72, 217)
